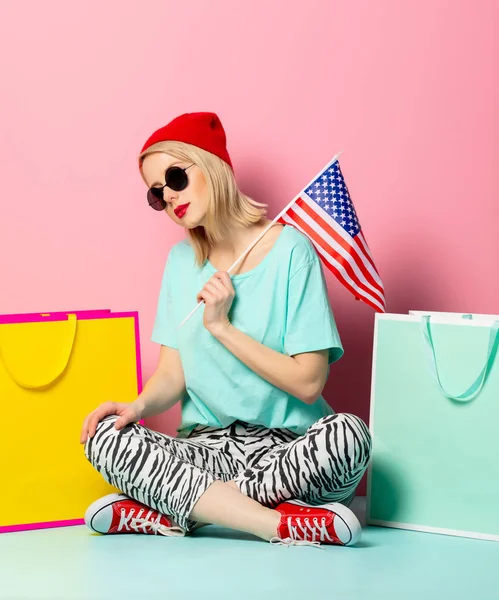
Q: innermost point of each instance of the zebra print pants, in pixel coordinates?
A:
(269, 465)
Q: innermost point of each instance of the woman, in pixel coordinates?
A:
(258, 448)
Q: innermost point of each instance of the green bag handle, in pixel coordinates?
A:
(477, 385)
(61, 365)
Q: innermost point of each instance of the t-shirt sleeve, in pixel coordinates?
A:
(310, 323)
(164, 331)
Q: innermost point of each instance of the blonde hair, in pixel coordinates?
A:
(227, 205)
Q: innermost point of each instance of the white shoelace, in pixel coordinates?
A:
(304, 533)
(140, 523)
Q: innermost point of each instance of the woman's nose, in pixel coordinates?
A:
(169, 195)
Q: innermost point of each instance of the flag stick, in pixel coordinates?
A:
(261, 235)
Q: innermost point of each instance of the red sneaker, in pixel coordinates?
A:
(118, 513)
(314, 525)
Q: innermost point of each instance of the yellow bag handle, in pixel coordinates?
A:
(61, 365)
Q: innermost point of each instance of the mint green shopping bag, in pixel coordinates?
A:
(435, 425)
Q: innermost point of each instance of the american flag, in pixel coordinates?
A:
(325, 213)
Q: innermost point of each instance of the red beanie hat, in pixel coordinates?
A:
(201, 129)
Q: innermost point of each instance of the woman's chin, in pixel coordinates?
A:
(189, 223)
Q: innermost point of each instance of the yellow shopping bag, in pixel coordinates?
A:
(54, 370)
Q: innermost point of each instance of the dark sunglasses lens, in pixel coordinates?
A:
(176, 179)
(155, 199)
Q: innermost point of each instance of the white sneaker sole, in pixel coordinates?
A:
(352, 528)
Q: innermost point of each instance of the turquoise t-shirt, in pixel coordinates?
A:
(282, 303)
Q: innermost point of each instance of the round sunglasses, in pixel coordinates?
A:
(176, 179)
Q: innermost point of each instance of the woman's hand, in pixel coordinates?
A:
(218, 294)
(128, 413)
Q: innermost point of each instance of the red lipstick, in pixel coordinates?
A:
(181, 210)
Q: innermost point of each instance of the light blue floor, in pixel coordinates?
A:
(72, 563)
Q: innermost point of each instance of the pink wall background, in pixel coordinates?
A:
(409, 92)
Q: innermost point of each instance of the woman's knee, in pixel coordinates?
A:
(350, 435)
(105, 437)
(343, 419)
